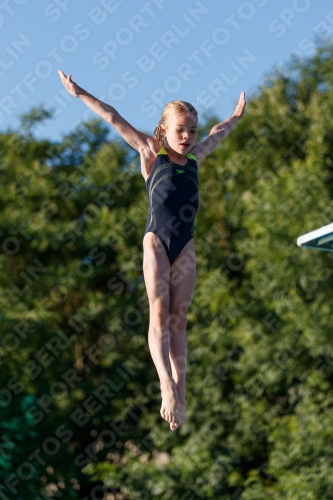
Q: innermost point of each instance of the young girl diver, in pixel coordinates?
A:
(169, 165)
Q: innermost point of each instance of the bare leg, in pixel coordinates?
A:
(156, 269)
(182, 284)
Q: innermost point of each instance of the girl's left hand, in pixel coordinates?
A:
(240, 108)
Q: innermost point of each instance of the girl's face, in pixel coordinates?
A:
(180, 132)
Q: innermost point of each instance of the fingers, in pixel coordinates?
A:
(63, 76)
(242, 100)
(240, 108)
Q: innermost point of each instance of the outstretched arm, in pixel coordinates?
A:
(219, 131)
(138, 140)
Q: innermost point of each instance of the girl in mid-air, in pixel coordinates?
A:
(169, 165)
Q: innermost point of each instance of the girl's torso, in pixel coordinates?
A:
(173, 200)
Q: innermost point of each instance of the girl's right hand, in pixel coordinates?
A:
(68, 83)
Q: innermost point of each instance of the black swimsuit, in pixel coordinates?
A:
(173, 200)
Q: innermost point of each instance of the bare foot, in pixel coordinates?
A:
(170, 409)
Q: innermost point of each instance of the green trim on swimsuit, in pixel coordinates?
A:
(191, 157)
(162, 151)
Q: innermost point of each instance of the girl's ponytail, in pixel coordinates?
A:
(158, 134)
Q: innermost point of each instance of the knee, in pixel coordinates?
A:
(179, 309)
(159, 311)
(178, 318)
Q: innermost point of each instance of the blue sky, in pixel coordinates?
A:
(139, 55)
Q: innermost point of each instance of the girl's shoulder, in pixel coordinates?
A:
(154, 145)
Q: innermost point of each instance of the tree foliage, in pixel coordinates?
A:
(79, 398)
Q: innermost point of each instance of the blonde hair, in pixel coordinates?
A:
(172, 108)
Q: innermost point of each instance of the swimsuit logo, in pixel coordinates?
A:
(180, 171)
